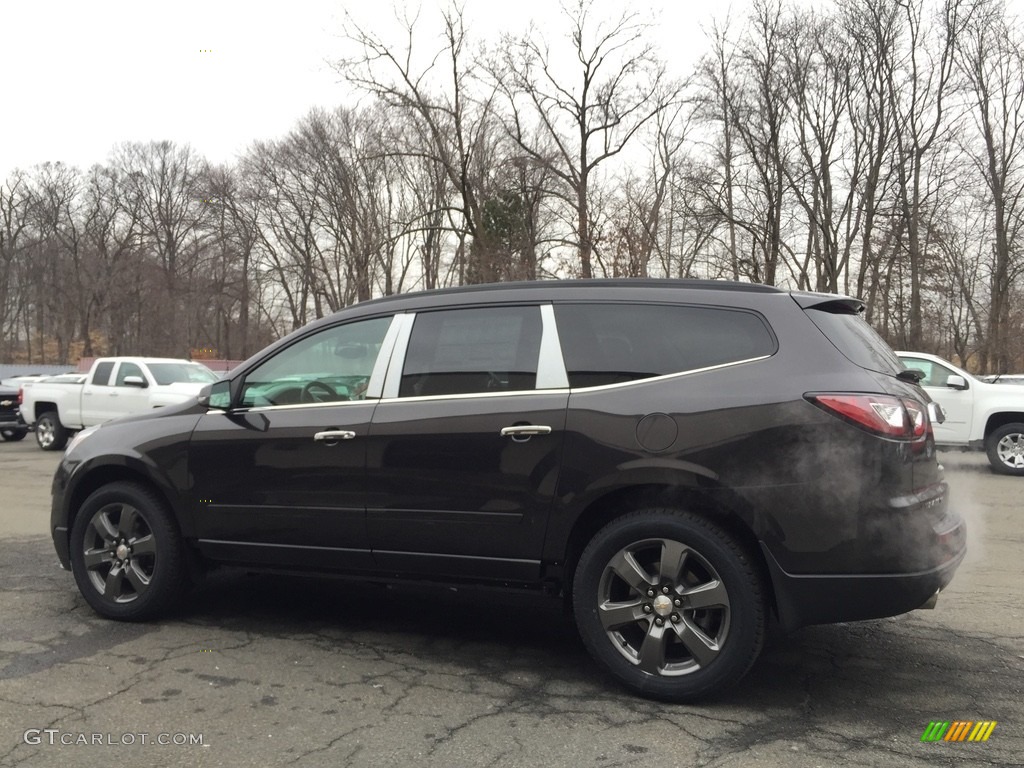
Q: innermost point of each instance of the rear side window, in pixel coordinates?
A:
(466, 351)
(612, 343)
(101, 376)
(857, 340)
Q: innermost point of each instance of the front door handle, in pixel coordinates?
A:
(525, 430)
(333, 435)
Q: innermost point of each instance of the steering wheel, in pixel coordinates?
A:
(318, 392)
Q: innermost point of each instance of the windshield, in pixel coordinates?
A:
(172, 373)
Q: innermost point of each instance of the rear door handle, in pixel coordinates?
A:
(333, 435)
(525, 430)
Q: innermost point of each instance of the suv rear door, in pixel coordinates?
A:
(465, 447)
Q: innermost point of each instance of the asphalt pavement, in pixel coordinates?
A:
(273, 671)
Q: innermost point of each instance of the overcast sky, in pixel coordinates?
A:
(80, 76)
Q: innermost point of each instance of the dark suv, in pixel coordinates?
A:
(677, 460)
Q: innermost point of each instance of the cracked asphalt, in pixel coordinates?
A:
(268, 671)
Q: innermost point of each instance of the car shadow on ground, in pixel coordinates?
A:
(490, 631)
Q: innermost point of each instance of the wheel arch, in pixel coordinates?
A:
(715, 504)
(126, 471)
(1001, 419)
(45, 407)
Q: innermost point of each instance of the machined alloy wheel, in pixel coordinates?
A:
(1005, 448)
(670, 604)
(126, 553)
(50, 433)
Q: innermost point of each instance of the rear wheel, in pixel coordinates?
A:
(51, 435)
(12, 435)
(670, 604)
(1005, 448)
(126, 553)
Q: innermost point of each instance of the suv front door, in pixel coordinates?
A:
(465, 447)
(279, 477)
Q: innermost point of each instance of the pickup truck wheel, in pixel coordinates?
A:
(12, 435)
(50, 433)
(126, 553)
(670, 604)
(1005, 448)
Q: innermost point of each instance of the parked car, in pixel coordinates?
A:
(980, 415)
(675, 460)
(12, 427)
(59, 406)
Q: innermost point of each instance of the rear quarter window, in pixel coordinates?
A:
(851, 335)
(613, 343)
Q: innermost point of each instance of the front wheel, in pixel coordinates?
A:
(12, 435)
(51, 435)
(670, 604)
(127, 555)
(1005, 449)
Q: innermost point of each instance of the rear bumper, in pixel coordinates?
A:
(803, 599)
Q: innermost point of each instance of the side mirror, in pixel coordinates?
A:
(956, 381)
(216, 395)
(135, 381)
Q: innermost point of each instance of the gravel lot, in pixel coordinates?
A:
(272, 671)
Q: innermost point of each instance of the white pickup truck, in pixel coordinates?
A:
(979, 414)
(115, 386)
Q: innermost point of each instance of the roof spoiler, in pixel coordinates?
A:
(828, 302)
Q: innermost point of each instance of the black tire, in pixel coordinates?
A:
(1005, 449)
(51, 435)
(12, 435)
(127, 554)
(710, 603)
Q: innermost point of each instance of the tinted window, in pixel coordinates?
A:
(611, 343)
(332, 365)
(101, 377)
(857, 340)
(466, 351)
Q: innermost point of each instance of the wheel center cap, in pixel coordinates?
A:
(123, 551)
(663, 605)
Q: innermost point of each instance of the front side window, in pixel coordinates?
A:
(174, 373)
(469, 351)
(935, 375)
(614, 343)
(125, 370)
(333, 365)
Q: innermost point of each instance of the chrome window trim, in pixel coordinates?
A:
(475, 395)
(375, 386)
(667, 376)
(573, 391)
(294, 406)
(550, 365)
(396, 362)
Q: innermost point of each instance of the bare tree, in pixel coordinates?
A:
(991, 60)
(572, 125)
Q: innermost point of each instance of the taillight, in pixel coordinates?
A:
(898, 418)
